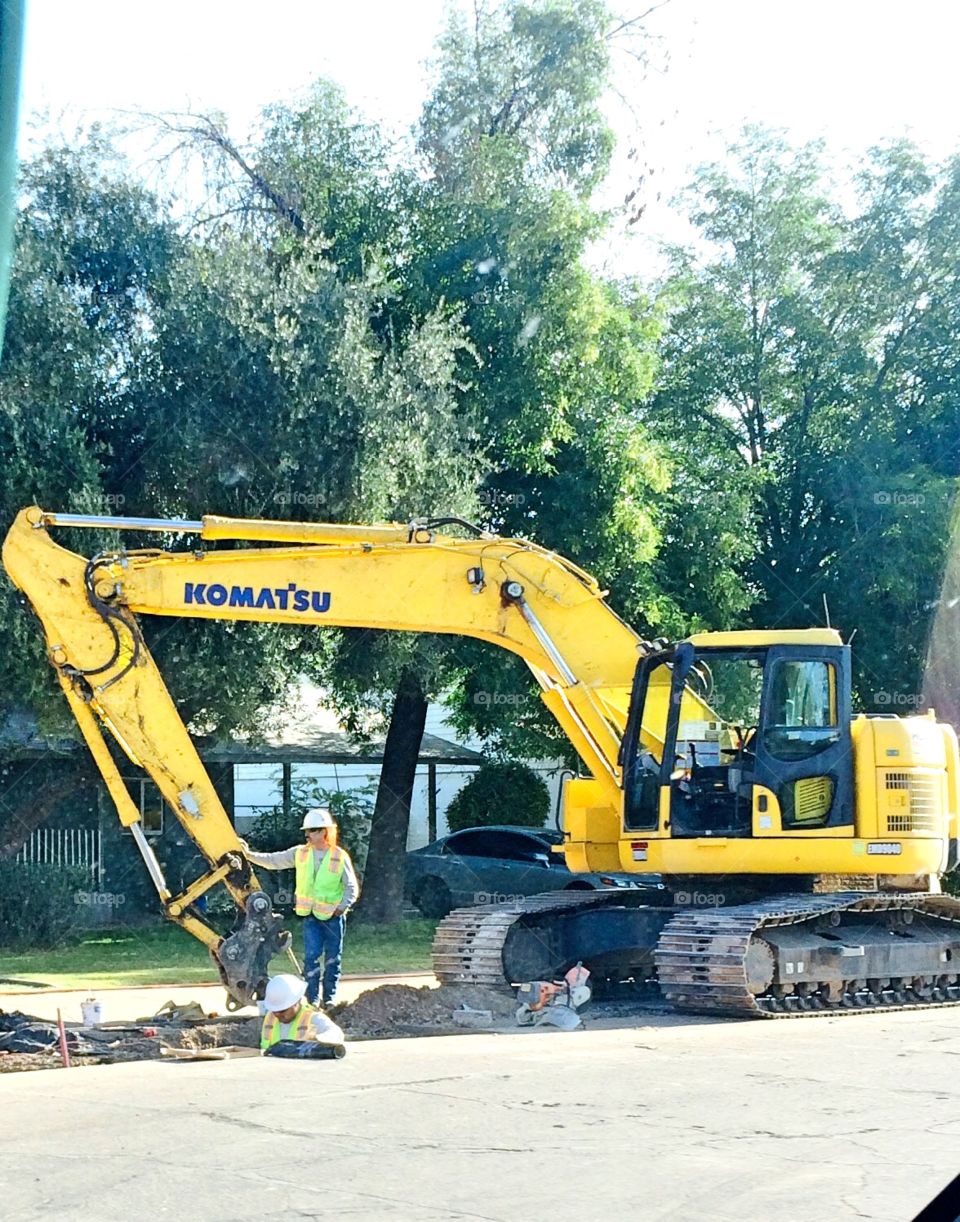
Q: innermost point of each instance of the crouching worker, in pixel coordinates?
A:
(293, 1028)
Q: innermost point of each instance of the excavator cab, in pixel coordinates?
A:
(730, 738)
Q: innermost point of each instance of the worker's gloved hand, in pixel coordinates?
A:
(243, 844)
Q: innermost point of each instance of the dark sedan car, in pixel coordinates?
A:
(492, 865)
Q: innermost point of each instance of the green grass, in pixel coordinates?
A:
(167, 955)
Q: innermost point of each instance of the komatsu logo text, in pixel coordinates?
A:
(283, 598)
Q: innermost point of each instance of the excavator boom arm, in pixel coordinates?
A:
(510, 593)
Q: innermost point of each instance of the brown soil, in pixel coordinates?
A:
(242, 1032)
(15, 1062)
(381, 1013)
(104, 1046)
(399, 1009)
(124, 1048)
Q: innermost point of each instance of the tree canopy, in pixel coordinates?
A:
(808, 394)
(348, 328)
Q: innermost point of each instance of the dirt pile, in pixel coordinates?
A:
(239, 1032)
(400, 1009)
(20, 1062)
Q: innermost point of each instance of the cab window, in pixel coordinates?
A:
(643, 785)
(803, 694)
(802, 716)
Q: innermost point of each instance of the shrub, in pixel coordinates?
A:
(39, 904)
(500, 793)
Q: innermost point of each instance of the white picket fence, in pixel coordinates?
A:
(66, 846)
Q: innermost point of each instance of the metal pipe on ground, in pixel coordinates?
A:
(306, 1050)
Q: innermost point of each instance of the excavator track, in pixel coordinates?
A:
(469, 943)
(791, 956)
(718, 961)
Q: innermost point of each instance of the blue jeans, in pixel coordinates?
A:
(322, 939)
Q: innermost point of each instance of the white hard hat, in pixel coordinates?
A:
(283, 992)
(318, 817)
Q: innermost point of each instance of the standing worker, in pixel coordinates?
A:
(326, 890)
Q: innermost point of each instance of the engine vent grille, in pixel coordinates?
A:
(923, 813)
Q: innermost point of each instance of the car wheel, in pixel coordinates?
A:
(433, 898)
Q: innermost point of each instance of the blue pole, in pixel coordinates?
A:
(12, 15)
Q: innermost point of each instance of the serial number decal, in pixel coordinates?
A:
(884, 849)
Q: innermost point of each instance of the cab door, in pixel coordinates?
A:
(802, 748)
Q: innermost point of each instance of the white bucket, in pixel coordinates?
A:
(92, 1012)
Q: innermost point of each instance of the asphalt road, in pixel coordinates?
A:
(824, 1118)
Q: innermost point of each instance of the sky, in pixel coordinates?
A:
(852, 71)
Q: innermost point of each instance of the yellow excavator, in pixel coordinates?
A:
(793, 851)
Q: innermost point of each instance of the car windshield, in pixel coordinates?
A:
(494, 842)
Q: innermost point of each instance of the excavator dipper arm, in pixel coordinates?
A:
(508, 592)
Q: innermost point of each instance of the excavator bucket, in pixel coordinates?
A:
(243, 958)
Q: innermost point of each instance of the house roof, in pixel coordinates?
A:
(302, 744)
(313, 746)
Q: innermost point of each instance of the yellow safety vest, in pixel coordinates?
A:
(319, 886)
(298, 1028)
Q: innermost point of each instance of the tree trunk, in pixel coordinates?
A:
(382, 900)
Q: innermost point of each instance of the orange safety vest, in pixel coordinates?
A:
(319, 886)
(298, 1028)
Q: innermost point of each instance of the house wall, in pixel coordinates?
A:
(551, 771)
(257, 787)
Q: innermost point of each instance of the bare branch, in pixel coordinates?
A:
(238, 210)
(202, 127)
(634, 21)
